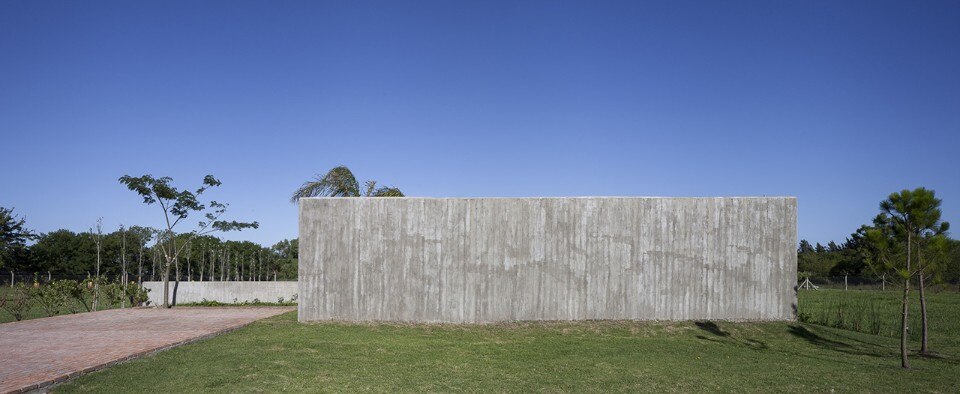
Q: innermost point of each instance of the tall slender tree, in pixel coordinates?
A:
(98, 239)
(921, 221)
(907, 217)
(123, 265)
(177, 205)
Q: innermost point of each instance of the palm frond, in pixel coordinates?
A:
(385, 191)
(338, 182)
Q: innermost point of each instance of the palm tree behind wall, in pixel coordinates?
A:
(340, 182)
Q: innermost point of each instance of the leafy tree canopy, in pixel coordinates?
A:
(13, 235)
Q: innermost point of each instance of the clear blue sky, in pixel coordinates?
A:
(836, 102)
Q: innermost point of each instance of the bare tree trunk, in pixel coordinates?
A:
(123, 263)
(166, 285)
(140, 266)
(903, 327)
(189, 252)
(176, 275)
(213, 265)
(176, 261)
(924, 349)
(904, 362)
(96, 283)
(170, 259)
(153, 263)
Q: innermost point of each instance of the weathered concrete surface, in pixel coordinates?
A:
(227, 292)
(39, 352)
(504, 259)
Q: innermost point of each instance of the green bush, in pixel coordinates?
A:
(28, 301)
(138, 295)
(18, 303)
(52, 297)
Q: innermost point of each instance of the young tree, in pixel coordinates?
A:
(908, 217)
(927, 230)
(340, 182)
(123, 263)
(177, 205)
(98, 240)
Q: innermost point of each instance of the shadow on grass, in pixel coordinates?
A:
(725, 337)
(935, 356)
(849, 345)
(845, 344)
(712, 328)
(814, 338)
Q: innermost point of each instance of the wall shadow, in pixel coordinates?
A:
(725, 337)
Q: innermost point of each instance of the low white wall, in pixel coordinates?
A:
(226, 292)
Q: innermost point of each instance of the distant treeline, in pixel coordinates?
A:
(847, 258)
(67, 253)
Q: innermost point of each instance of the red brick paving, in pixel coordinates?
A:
(35, 353)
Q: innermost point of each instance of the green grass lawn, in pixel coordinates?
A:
(280, 354)
(877, 312)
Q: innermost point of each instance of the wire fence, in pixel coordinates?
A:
(879, 283)
(850, 282)
(10, 278)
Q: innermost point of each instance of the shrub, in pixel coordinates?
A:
(79, 292)
(113, 293)
(138, 295)
(19, 302)
(52, 296)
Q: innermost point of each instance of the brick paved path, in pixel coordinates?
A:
(35, 353)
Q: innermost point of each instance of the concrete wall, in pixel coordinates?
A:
(226, 292)
(505, 259)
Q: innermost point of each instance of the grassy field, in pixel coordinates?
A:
(877, 312)
(280, 354)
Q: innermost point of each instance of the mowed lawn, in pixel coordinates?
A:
(279, 354)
